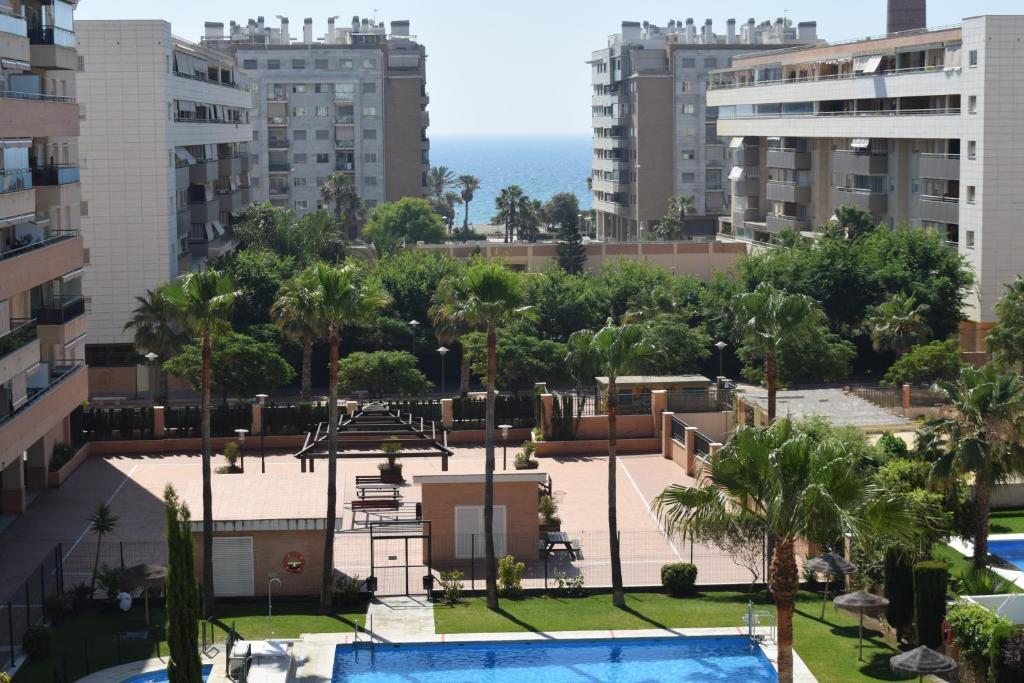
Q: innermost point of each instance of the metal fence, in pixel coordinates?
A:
(428, 408)
(700, 401)
(26, 605)
(185, 421)
(108, 424)
(890, 398)
(293, 419)
(469, 413)
(926, 397)
(77, 567)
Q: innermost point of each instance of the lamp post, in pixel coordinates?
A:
(444, 352)
(262, 398)
(413, 324)
(720, 345)
(151, 357)
(504, 445)
(241, 442)
(271, 578)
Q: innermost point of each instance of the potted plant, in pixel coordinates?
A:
(548, 509)
(391, 471)
(524, 459)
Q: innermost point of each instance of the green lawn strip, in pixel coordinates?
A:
(829, 648)
(958, 563)
(1006, 521)
(92, 635)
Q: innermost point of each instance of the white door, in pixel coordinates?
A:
(469, 531)
(233, 566)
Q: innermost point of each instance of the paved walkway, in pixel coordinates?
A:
(401, 619)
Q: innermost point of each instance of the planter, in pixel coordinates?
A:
(54, 479)
(392, 476)
(555, 525)
(528, 465)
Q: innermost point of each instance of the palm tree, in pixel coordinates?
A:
(796, 489)
(511, 202)
(485, 296)
(898, 323)
(468, 185)
(610, 352)
(672, 225)
(439, 179)
(295, 315)
(201, 302)
(339, 296)
(450, 332)
(101, 522)
(982, 439)
(154, 331)
(349, 209)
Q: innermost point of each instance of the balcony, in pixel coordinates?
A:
(279, 191)
(19, 351)
(789, 159)
(939, 209)
(35, 115)
(184, 222)
(860, 163)
(230, 200)
(345, 144)
(230, 166)
(62, 174)
(193, 77)
(205, 211)
(203, 251)
(746, 187)
(53, 48)
(344, 120)
(778, 223)
(26, 265)
(62, 309)
(277, 97)
(245, 162)
(204, 171)
(786, 191)
(277, 143)
(13, 23)
(277, 121)
(46, 408)
(343, 97)
(611, 142)
(279, 167)
(939, 166)
(344, 167)
(876, 203)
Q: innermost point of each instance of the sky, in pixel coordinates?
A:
(519, 67)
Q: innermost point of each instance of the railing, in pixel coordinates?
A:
(860, 153)
(185, 118)
(20, 95)
(24, 606)
(59, 174)
(15, 179)
(63, 309)
(345, 120)
(277, 97)
(280, 190)
(937, 198)
(700, 401)
(12, 23)
(345, 167)
(21, 333)
(858, 190)
(277, 120)
(224, 420)
(829, 114)
(60, 375)
(679, 430)
(51, 35)
(280, 143)
(701, 445)
(193, 77)
(279, 168)
(938, 155)
(345, 144)
(55, 236)
(469, 413)
(831, 77)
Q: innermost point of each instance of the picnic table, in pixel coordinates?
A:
(560, 538)
(377, 490)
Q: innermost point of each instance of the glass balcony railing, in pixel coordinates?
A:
(62, 309)
(22, 333)
(51, 35)
(61, 174)
(63, 370)
(345, 144)
(15, 179)
(11, 22)
(29, 243)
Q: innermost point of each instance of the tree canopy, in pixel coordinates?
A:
(242, 366)
(381, 373)
(409, 220)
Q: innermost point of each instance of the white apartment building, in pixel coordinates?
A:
(654, 135)
(920, 127)
(166, 169)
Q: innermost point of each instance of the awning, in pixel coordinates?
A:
(74, 274)
(15, 143)
(860, 143)
(868, 65)
(218, 228)
(774, 138)
(185, 106)
(15, 64)
(183, 155)
(736, 143)
(210, 234)
(736, 173)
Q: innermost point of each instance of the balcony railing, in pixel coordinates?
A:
(345, 144)
(277, 144)
(831, 77)
(63, 309)
(188, 118)
(279, 168)
(21, 95)
(51, 35)
(61, 174)
(53, 237)
(193, 77)
(277, 120)
(61, 373)
(942, 198)
(946, 111)
(22, 332)
(345, 168)
(277, 97)
(15, 179)
(344, 120)
(12, 23)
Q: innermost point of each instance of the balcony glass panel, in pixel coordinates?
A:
(61, 309)
(22, 332)
(12, 22)
(62, 371)
(55, 175)
(15, 179)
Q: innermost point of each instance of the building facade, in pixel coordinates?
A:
(42, 309)
(166, 165)
(918, 128)
(654, 135)
(352, 101)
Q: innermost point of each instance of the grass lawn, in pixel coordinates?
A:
(958, 564)
(828, 647)
(92, 635)
(1007, 521)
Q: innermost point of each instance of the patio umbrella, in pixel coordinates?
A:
(830, 565)
(143, 576)
(921, 660)
(861, 601)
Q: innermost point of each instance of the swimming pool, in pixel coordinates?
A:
(647, 660)
(160, 676)
(1011, 551)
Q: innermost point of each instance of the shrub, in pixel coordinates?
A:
(82, 594)
(391, 445)
(232, 452)
(525, 462)
(926, 363)
(570, 586)
(510, 577)
(62, 453)
(899, 589)
(58, 606)
(5, 677)
(972, 627)
(893, 446)
(1006, 654)
(348, 591)
(981, 581)
(36, 642)
(451, 586)
(930, 580)
(548, 509)
(109, 579)
(678, 578)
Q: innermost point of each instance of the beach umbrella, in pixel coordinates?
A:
(830, 565)
(861, 601)
(920, 661)
(143, 576)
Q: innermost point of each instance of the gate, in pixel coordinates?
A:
(400, 560)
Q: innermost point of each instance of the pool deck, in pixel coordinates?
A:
(966, 548)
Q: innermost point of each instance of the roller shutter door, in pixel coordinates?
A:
(232, 566)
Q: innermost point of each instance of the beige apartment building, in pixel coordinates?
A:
(919, 127)
(42, 310)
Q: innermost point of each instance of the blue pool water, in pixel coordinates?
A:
(648, 660)
(161, 676)
(1011, 551)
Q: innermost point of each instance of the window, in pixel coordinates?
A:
(688, 62)
(323, 135)
(300, 158)
(710, 63)
(299, 135)
(368, 88)
(972, 104)
(298, 63)
(249, 64)
(970, 239)
(689, 178)
(369, 111)
(689, 154)
(299, 182)
(273, 64)
(971, 194)
(690, 108)
(689, 86)
(81, 63)
(370, 180)
(972, 149)
(300, 89)
(369, 134)
(322, 111)
(83, 208)
(972, 58)
(298, 112)
(346, 64)
(370, 203)
(370, 157)
(323, 158)
(369, 63)
(301, 204)
(320, 64)
(469, 530)
(689, 131)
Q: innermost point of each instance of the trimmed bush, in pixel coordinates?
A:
(1006, 654)
(510, 577)
(36, 642)
(62, 453)
(899, 589)
(930, 580)
(348, 591)
(678, 578)
(58, 606)
(452, 586)
(973, 627)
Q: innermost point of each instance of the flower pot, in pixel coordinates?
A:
(554, 525)
(391, 476)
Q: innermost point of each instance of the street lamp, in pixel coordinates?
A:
(151, 357)
(504, 445)
(262, 398)
(720, 345)
(271, 578)
(414, 324)
(241, 442)
(444, 352)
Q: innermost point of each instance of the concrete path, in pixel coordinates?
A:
(401, 619)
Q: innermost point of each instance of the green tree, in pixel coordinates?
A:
(981, 439)
(319, 236)
(484, 297)
(102, 521)
(266, 227)
(523, 359)
(182, 594)
(797, 489)
(468, 185)
(511, 203)
(349, 209)
(926, 363)
(898, 323)
(781, 334)
(294, 312)
(242, 366)
(258, 273)
(154, 330)
(853, 222)
(381, 373)
(611, 352)
(563, 210)
(445, 207)
(564, 302)
(202, 302)
(672, 226)
(1005, 341)
(570, 253)
(439, 180)
(342, 296)
(409, 220)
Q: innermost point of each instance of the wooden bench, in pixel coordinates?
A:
(366, 506)
(368, 479)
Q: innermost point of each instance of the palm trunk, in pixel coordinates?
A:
(618, 592)
(307, 368)
(982, 507)
(465, 219)
(464, 374)
(327, 585)
(771, 372)
(209, 609)
(784, 584)
(491, 560)
(95, 565)
(161, 384)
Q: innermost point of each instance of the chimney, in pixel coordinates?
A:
(259, 23)
(780, 30)
(329, 38)
(355, 24)
(213, 29)
(807, 31)
(285, 38)
(691, 31)
(709, 36)
(307, 31)
(730, 31)
(906, 15)
(400, 28)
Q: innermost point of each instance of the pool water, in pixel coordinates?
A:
(647, 660)
(161, 676)
(1011, 551)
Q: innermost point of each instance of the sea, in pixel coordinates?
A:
(542, 165)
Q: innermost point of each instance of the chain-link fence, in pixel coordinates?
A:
(26, 605)
(114, 556)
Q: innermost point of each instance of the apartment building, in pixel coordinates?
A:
(654, 135)
(352, 101)
(166, 167)
(42, 310)
(920, 127)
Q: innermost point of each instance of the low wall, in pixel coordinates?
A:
(476, 437)
(55, 479)
(596, 447)
(677, 454)
(626, 427)
(1008, 495)
(184, 445)
(715, 426)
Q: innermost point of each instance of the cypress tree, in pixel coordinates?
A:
(570, 252)
(182, 591)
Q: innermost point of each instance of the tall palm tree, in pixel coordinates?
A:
(202, 305)
(610, 352)
(468, 185)
(339, 296)
(102, 521)
(485, 296)
(439, 179)
(154, 330)
(982, 439)
(294, 313)
(797, 489)
(898, 323)
(672, 225)
(349, 208)
(510, 203)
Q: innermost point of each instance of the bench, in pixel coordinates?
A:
(368, 479)
(366, 506)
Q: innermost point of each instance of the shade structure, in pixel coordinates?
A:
(921, 660)
(830, 565)
(861, 601)
(143, 576)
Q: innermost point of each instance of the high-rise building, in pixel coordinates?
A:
(167, 169)
(351, 101)
(654, 136)
(42, 310)
(918, 128)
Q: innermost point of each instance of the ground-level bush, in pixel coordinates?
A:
(347, 591)
(451, 586)
(36, 642)
(510, 577)
(678, 578)
(973, 626)
(930, 580)
(1006, 654)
